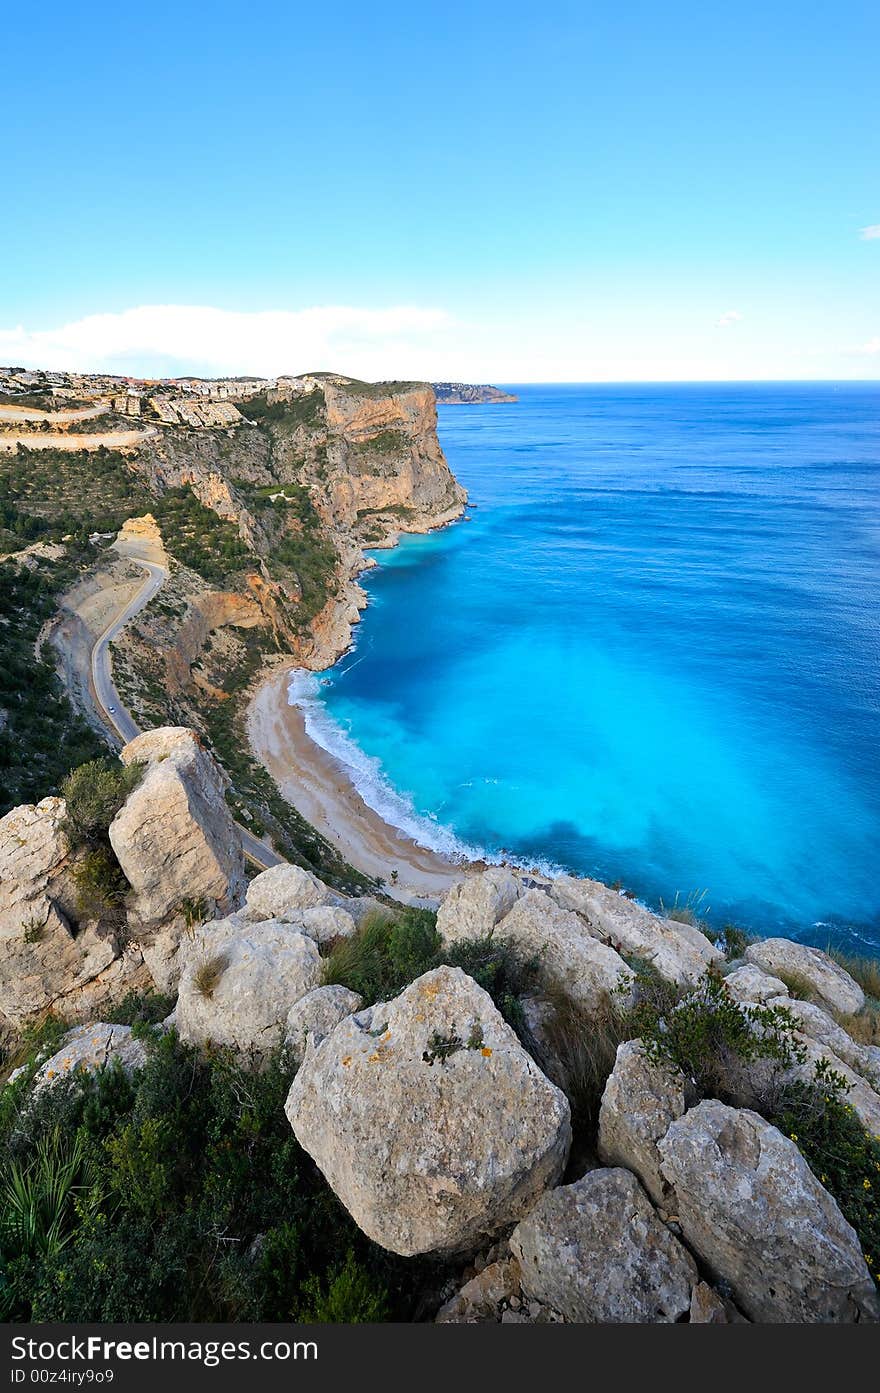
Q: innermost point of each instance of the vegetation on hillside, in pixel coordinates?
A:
(305, 410)
(50, 493)
(181, 1194)
(198, 537)
(41, 736)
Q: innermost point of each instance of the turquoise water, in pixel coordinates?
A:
(653, 654)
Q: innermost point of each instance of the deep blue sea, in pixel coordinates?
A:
(651, 655)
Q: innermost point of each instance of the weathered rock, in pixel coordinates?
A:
(428, 1119)
(239, 983)
(324, 923)
(831, 984)
(283, 892)
(482, 1299)
(174, 836)
(91, 1047)
(596, 1251)
(474, 906)
(707, 1308)
(640, 1102)
(43, 963)
(679, 952)
(567, 955)
(315, 1015)
(812, 1021)
(751, 1208)
(752, 986)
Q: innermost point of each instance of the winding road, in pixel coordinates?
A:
(114, 714)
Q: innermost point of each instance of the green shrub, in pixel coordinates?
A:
(385, 955)
(348, 1296)
(736, 941)
(94, 794)
(208, 1209)
(141, 1009)
(840, 1152)
(713, 1039)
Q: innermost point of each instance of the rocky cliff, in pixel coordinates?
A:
(620, 1121)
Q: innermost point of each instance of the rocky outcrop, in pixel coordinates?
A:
(567, 956)
(753, 987)
(174, 837)
(640, 1102)
(750, 1207)
(485, 1297)
(47, 958)
(428, 1119)
(832, 986)
(679, 952)
(284, 892)
(239, 982)
(472, 908)
(595, 1251)
(822, 1029)
(89, 1048)
(314, 1016)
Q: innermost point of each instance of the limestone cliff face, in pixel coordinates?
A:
(364, 463)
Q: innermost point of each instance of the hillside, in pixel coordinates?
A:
(468, 394)
(264, 495)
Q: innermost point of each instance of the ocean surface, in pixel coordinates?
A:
(652, 655)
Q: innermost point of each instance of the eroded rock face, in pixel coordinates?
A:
(174, 837)
(429, 1120)
(679, 952)
(240, 981)
(325, 922)
(474, 906)
(640, 1102)
(832, 985)
(567, 955)
(315, 1015)
(596, 1251)
(89, 1048)
(46, 959)
(754, 987)
(751, 1208)
(482, 1299)
(284, 892)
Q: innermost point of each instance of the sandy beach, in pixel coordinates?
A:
(319, 787)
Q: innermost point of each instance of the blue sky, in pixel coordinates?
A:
(506, 192)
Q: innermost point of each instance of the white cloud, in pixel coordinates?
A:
(729, 317)
(871, 347)
(870, 234)
(167, 340)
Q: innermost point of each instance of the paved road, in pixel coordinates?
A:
(120, 719)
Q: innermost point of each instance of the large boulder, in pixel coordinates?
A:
(750, 1207)
(315, 1015)
(174, 836)
(89, 1048)
(473, 907)
(240, 981)
(568, 957)
(679, 952)
(640, 1102)
(827, 980)
(283, 892)
(429, 1120)
(596, 1252)
(749, 985)
(47, 959)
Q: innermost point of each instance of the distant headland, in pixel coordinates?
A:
(466, 394)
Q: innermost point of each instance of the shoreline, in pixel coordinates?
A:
(320, 787)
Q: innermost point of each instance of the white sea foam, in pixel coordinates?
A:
(368, 777)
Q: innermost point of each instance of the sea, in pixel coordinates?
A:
(650, 652)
